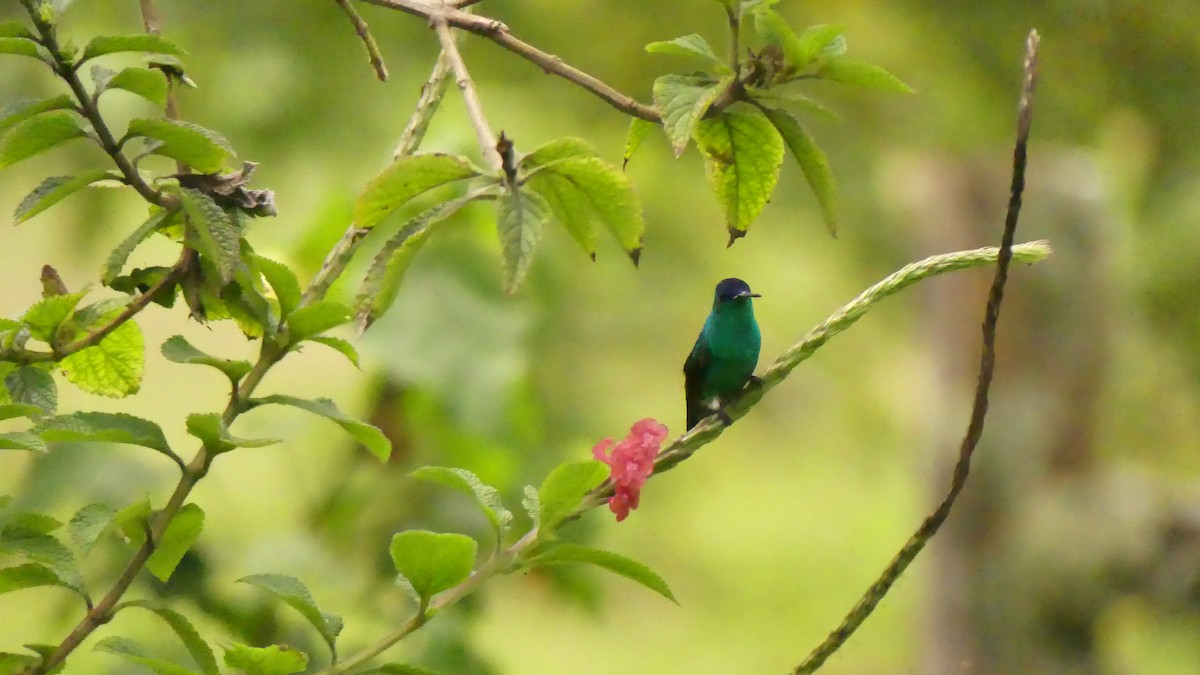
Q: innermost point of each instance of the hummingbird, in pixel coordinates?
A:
(725, 354)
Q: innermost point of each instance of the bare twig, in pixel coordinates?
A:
(364, 34)
(866, 605)
(462, 77)
(431, 97)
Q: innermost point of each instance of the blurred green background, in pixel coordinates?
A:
(1076, 547)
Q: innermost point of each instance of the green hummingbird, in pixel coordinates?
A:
(725, 354)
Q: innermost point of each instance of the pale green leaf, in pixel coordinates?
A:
(520, 217)
(742, 154)
(405, 179)
(132, 651)
(342, 346)
(570, 208)
(203, 149)
(103, 427)
(139, 42)
(433, 562)
(485, 496)
(815, 40)
(638, 130)
(211, 430)
(772, 27)
(116, 260)
(196, 646)
(558, 149)
(532, 505)
(19, 111)
(15, 664)
(215, 234)
(88, 524)
(55, 189)
(564, 489)
(28, 575)
(111, 367)
(293, 592)
(370, 436)
(178, 350)
(812, 162)
(45, 549)
(626, 567)
(37, 134)
(851, 71)
(273, 660)
(32, 385)
(20, 47)
(149, 83)
(602, 189)
(22, 440)
(181, 533)
(10, 410)
(14, 29)
(687, 45)
(683, 100)
(283, 281)
(316, 318)
(46, 315)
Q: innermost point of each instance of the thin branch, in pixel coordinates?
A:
(866, 605)
(483, 132)
(498, 33)
(152, 24)
(364, 34)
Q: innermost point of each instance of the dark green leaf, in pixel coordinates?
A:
(293, 592)
(196, 646)
(216, 236)
(32, 385)
(181, 533)
(21, 440)
(432, 562)
(210, 429)
(116, 259)
(111, 367)
(43, 548)
(850, 71)
(687, 45)
(742, 153)
(565, 488)
(485, 496)
(316, 318)
(55, 189)
(683, 100)
(202, 149)
(34, 521)
(273, 660)
(520, 217)
(20, 47)
(140, 42)
(20, 111)
(405, 179)
(37, 134)
(283, 281)
(149, 83)
(132, 651)
(340, 345)
(15, 664)
(812, 162)
(178, 350)
(638, 130)
(630, 569)
(103, 427)
(371, 437)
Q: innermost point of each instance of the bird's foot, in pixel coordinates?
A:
(755, 382)
(723, 416)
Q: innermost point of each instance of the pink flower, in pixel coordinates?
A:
(631, 462)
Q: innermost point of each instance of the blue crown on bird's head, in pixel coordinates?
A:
(733, 289)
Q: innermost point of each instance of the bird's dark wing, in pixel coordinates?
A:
(694, 370)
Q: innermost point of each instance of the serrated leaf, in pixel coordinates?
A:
(570, 208)
(283, 281)
(433, 562)
(216, 236)
(181, 533)
(203, 149)
(815, 40)
(614, 562)
(53, 190)
(316, 318)
(139, 42)
(116, 260)
(742, 153)
(46, 315)
(812, 162)
(10, 410)
(19, 111)
(772, 27)
(32, 520)
(103, 427)
(686, 45)
(565, 488)
(29, 575)
(149, 83)
(370, 436)
(37, 134)
(132, 651)
(273, 660)
(20, 47)
(293, 592)
(601, 189)
(211, 430)
(112, 367)
(196, 646)
(683, 100)
(22, 440)
(485, 496)
(405, 179)
(383, 279)
(568, 147)
(638, 130)
(178, 350)
(342, 346)
(45, 549)
(32, 385)
(520, 217)
(851, 71)
(88, 524)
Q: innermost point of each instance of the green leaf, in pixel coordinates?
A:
(130, 523)
(132, 651)
(812, 162)
(216, 235)
(178, 350)
(203, 149)
(397, 669)
(149, 83)
(29, 575)
(687, 45)
(111, 367)
(34, 521)
(32, 385)
(815, 40)
(532, 505)
(383, 279)
(742, 153)
(520, 216)
(196, 646)
(432, 562)
(21, 440)
(565, 488)
(370, 436)
(850, 71)
(181, 533)
(570, 208)
(776, 31)
(55, 189)
(485, 496)
(37, 134)
(211, 430)
(273, 660)
(593, 190)
(140, 42)
(10, 410)
(20, 111)
(283, 281)
(562, 148)
(342, 346)
(683, 100)
(103, 427)
(116, 259)
(14, 29)
(626, 567)
(20, 47)
(405, 179)
(293, 592)
(312, 320)
(638, 130)
(45, 549)
(88, 524)
(15, 664)
(47, 314)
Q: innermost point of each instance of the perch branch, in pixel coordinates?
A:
(364, 34)
(462, 77)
